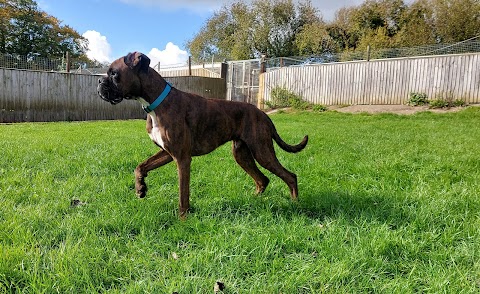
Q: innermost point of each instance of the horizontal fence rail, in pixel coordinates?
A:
(388, 81)
(199, 72)
(31, 96)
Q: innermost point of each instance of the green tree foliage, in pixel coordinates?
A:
(417, 26)
(282, 28)
(374, 23)
(455, 20)
(314, 39)
(242, 31)
(26, 30)
(392, 23)
(225, 34)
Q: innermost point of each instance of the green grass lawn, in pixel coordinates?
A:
(387, 204)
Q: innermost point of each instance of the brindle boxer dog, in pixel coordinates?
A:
(185, 125)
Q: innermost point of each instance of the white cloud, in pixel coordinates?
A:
(326, 7)
(98, 47)
(172, 55)
(199, 6)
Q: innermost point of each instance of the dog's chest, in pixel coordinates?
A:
(155, 133)
(153, 129)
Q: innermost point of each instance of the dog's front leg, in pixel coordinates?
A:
(157, 160)
(183, 166)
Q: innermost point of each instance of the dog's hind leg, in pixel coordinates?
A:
(244, 158)
(141, 171)
(265, 155)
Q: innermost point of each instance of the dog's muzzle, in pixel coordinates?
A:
(108, 92)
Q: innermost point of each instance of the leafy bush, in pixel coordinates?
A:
(445, 100)
(298, 103)
(439, 103)
(282, 97)
(417, 99)
(459, 103)
(319, 108)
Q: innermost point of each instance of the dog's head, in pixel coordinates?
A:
(123, 80)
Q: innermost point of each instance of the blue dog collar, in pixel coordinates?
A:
(159, 100)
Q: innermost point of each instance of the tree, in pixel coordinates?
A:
(224, 35)
(314, 39)
(281, 28)
(375, 23)
(392, 23)
(26, 30)
(343, 30)
(242, 31)
(455, 20)
(418, 28)
(5, 25)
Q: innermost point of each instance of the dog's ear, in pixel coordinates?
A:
(137, 61)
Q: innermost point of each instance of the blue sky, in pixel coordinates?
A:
(158, 28)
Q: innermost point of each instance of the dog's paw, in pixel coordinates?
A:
(141, 191)
(261, 186)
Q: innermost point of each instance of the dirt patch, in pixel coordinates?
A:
(395, 109)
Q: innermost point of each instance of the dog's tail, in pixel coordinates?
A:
(290, 148)
(287, 147)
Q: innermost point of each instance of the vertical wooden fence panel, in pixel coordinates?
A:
(45, 96)
(388, 81)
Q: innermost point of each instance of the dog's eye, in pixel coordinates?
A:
(114, 75)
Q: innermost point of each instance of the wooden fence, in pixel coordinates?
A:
(48, 96)
(182, 72)
(214, 70)
(387, 81)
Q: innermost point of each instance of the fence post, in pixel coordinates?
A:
(68, 61)
(368, 53)
(223, 75)
(261, 83)
(224, 70)
(189, 65)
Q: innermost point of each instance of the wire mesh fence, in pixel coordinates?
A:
(243, 80)
(77, 66)
(467, 46)
(32, 63)
(39, 63)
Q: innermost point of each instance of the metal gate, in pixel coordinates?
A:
(242, 84)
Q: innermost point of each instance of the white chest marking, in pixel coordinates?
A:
(154, 134)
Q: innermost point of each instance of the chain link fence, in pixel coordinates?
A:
(76, 66)
(12, 61)
(468, 46)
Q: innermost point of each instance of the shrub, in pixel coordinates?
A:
(417, 99)
(446, 99)
(298, 103)
(319, 108)
(282, 97)
(459, 103)
(439, 103)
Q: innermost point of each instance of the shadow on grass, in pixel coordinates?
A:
(366, 206)
(392, 209)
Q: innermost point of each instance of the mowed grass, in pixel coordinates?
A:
(388, 204)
